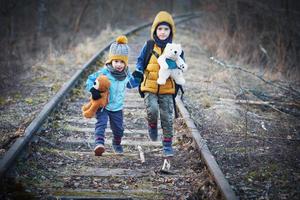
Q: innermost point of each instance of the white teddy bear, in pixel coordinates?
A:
(171, 64)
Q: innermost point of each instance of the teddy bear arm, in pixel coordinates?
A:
(86, 106)
(162, 63)
(181, 64)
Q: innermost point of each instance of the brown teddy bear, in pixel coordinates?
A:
(102, 84)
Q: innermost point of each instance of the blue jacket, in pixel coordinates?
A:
(116, 90)
(141, 59)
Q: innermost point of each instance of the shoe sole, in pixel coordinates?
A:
(99, 151)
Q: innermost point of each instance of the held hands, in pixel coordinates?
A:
(138, 76)
(95, 93)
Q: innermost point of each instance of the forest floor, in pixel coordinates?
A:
(257, 145)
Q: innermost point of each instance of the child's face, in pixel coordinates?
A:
(163, 32)
(118, 65)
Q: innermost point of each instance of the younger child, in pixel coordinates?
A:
(116, 70)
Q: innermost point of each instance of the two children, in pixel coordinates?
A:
(157, 98)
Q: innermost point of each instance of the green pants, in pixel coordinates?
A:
(163, 104)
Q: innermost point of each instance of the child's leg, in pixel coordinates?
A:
(166, 116)
(151, 102)
(101, 124)
(116, 124)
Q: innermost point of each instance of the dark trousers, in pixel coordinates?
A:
(116, 125)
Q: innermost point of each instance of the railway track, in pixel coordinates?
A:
(58, 160)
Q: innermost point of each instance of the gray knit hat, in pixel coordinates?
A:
(119, 50)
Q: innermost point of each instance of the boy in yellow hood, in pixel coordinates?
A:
(158, 98)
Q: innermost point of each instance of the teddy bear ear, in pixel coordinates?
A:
(96, 84)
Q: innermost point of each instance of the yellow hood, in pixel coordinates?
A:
(163, 16)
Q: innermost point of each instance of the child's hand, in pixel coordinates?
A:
(95, 93)
(137, 76)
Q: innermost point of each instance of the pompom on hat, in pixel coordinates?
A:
(119, 50)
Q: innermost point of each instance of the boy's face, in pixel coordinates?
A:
(163, 32)
(118, 65)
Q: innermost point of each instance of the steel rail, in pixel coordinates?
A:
(206, 155)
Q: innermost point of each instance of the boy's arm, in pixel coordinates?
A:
(141, 60)
(139, 68)
(133, 82)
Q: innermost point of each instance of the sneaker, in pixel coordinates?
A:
(99, 150)
(168, 151)
(118, 149)
(153, 132)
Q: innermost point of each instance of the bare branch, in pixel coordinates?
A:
(290, 90)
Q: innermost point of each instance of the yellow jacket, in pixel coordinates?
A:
(149, 83)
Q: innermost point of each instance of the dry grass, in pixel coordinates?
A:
(257, 36)
(87, 49)
(58, 63)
